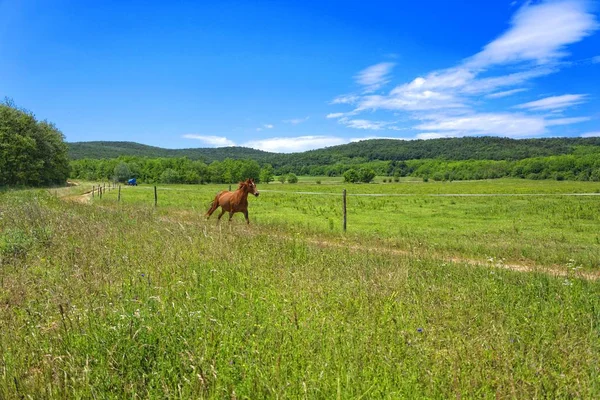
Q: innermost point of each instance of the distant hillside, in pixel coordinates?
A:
(468, 148)
(100, 150)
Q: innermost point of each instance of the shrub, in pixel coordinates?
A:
(292, 178)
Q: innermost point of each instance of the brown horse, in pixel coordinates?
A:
(234, 201)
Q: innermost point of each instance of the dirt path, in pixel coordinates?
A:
(493, 263)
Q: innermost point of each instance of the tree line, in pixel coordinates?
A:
(32, 152)
(585, 167)
(171, 170)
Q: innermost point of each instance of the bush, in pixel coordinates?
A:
(351, 176)
(366, 175)
(292, 178)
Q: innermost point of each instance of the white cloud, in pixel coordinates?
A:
(500, 124)
(336, 115)
(434, 135)
(345, 99)
(363, 124)
(554, 102)
(539, 33)
(296, 121)
(375, 76)
(410, 101)
(268, 126)
(591, 134)
(596, 60)
(374, 137)
(506, 93)
(294, 144)
(217, 141)
(566, 121)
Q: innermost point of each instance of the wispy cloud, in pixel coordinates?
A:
(216, 141)
(534, 45)
(374, 137)
(433, 135)
(296, 121)
(375, 76)
(554, 102)
(591, 134)
(294, 144)
(505, 124)
(566, 121)
(363, 124)
(345, 99)
(539, 33)
(506, 93)
(265, 126)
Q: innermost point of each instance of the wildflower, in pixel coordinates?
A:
(420, 330)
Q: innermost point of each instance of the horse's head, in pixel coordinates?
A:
(250, 187)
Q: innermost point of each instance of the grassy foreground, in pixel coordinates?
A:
(131, 302)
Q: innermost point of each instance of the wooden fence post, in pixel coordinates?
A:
(93, 190)
(155, 197)
(230, 187)
(344, 208)
(100, 191)
(119, 197)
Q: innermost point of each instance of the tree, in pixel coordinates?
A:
(281, 178)
(351, 176)
(31, 152)
(366, 175)
(292, 178)
(122, 172)
(169, 175)
(266, 174)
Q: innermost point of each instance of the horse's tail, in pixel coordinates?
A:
(214, 205)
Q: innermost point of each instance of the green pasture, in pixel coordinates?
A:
(545, 223)
(127, 301)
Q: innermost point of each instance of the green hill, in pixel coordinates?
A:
(105, 150)
(468, 148)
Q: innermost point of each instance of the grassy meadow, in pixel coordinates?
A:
(531, 222)
(102, 299)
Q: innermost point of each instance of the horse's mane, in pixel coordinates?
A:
(243, 184)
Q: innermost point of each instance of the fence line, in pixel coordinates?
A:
(397, 194)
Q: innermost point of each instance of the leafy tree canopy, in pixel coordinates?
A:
(32, 153)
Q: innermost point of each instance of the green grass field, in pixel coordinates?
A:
(124, 300)
(531, 222)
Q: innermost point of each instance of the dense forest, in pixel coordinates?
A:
(32, 152)
(437, 159)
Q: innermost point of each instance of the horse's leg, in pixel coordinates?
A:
(220, 215)
(213, 207)
(210, 211)
(246, 215)
(230, 215)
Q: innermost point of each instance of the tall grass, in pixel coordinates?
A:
(131, 302)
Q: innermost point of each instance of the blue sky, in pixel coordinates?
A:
(292, 76)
